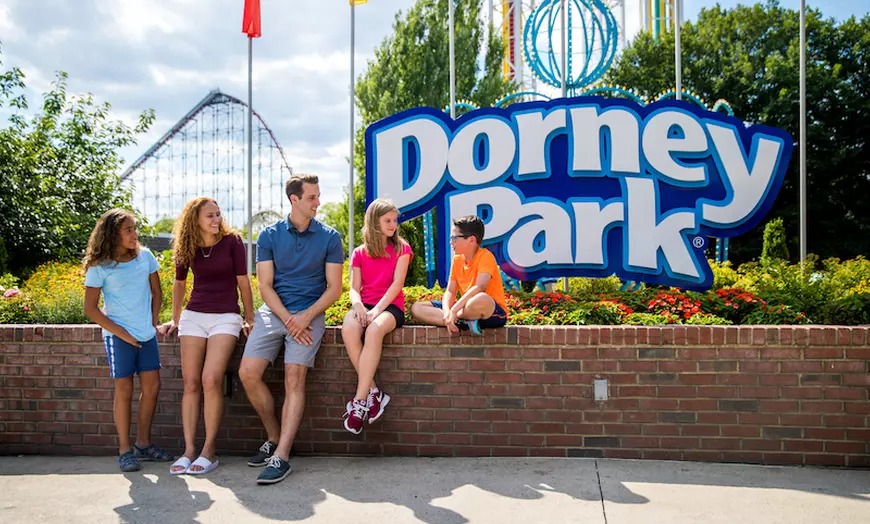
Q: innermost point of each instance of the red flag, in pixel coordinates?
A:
(251, 18)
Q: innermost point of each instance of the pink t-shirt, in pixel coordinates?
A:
(377, 273)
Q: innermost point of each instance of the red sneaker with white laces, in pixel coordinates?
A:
(377, 401)
(356, 415)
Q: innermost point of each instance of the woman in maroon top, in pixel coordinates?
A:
(209, 325)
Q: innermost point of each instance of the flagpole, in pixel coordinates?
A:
(250, 254)
(803, 131)
(678, 50)
(452, 53)
(352, 131)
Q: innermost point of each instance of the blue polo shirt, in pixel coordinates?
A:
(299, 260)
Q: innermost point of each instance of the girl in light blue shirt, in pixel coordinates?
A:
(126, 275)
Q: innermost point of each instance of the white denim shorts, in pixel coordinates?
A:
(205, 325)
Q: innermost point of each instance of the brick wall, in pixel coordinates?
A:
(771, 395)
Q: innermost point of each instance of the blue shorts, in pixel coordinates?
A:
(496, 320)
(126, 360)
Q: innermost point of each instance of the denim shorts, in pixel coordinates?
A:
(126, 360)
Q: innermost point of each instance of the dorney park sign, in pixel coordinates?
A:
(583, 186)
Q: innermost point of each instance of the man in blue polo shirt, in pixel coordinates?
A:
(299, 263)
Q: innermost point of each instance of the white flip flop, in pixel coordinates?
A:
(182, 462)
(205, 464)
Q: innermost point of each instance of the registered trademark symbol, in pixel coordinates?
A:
(698, 242)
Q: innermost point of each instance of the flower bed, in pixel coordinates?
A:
(828, 292)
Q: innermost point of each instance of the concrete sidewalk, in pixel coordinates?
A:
(436, 491)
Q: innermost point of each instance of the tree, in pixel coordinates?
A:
(774, 246)
(164, 225)
(749, 56)
(59, 170)
(410, 69)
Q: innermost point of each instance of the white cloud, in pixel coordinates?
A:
(138, 20)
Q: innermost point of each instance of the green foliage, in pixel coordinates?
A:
(59, 169)
(650, 319)
(410, 69)
(15, 307)
(836, 293)
(605, 312)
(850, 309)
(594, 286)
(774, 247)
(706, 319)
(165, 225)
(749, 55)
(724, 274)
(57, 292)
(4, 257)
(777, 315)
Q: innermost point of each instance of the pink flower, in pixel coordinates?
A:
(9, 293)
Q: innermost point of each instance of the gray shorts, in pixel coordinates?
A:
(268, 333)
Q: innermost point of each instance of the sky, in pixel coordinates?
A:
(168, 54)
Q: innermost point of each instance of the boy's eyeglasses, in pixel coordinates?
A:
(454, 237)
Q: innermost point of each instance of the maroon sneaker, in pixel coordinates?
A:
(356, 416)
(377, 402)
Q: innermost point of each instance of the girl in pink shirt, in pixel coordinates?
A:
(378, 269)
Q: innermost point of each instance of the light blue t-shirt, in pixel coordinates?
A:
(127, 293)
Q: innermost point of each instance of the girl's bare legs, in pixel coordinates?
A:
(220, 349)
(352, 335)
(149, 386)
(123, 411)
(371, 353)
(192, 357)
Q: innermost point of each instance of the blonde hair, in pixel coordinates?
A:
(187, 236)
(372, 235)
(104, 238)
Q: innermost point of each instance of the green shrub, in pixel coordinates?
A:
(850, 309)
(724, 274)
(650, 319)
(832, 292)
(777, 315)
(57, 290)
(774, 245)
(7, 281)
(15, 307)
(594, 286)
(605, 312)
(706, 319)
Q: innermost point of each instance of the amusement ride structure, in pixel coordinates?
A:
(204, 153)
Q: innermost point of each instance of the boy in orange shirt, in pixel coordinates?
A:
(475, 275)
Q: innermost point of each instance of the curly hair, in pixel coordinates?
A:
(187, 236)
(372, 236)
(104, 238)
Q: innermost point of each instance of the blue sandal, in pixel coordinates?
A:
(128, 462)
(152, 452)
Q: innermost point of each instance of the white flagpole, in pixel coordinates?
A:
(250, 254)
(452, 53)
(678, 49)
(352, 132)
(803, 131)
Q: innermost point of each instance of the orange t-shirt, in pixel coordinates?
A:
(482, 262)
